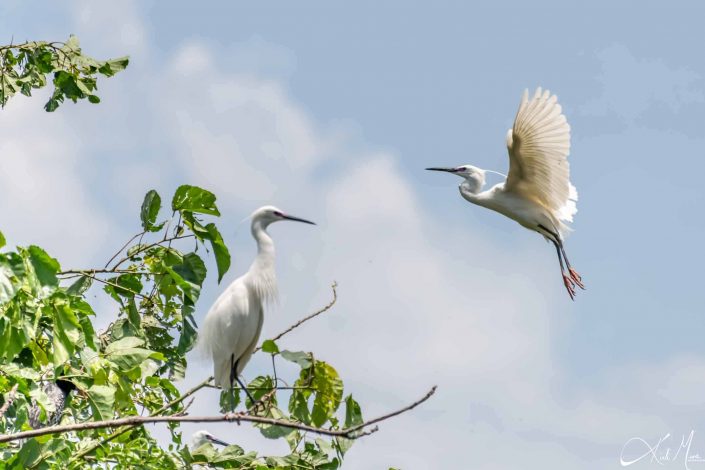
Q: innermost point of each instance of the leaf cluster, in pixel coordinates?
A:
(32, 65)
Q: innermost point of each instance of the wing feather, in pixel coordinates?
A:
(538, 145)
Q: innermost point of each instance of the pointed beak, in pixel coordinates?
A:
(297, 219)
(448, 170)
(215, 440)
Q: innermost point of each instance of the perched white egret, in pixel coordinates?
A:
(537, 193)
(203, 437)
(232, 326)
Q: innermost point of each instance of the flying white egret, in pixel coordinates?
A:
(233, 324)
(537, 193)
(203, 437)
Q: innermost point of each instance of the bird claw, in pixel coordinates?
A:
(570, 286)
(256, 406)
(576, 278)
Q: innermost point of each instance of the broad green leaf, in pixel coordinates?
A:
(67, 333)
(194, 199)
(222, 255)
(2, 240)
(128, 342)
(353, 417)
(45, 267)
(298, 406)
(328, 390)
(81, 285)
(150, 210)
(188, 335)
(125, 285)
(303, 359)
(102, 400)
(111, 67)
(270, 347)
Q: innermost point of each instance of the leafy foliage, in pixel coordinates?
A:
(130, 368)
(30, 65)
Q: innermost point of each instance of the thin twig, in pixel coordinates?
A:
(309, 317)
(350, 433)
(81, 272)
(144, 248)
(122, 431)
(123, 247)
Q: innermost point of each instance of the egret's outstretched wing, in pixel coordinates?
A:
(538, 146)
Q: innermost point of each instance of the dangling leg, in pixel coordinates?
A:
(567, 281)
(233, 378)
(233, 372)
(573, 273)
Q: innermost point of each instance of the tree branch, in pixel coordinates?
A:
(309, 317)
(349, 433)
(161, 410)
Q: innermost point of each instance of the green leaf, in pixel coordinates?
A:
(111, 67)
(303, 359)
(80, 286)
(45, 267)
(270, 347)
(329, 392)
(194, 199)
(102, 400)
(3, 242)
(67, 333)
(125, 343)
(353, 414)
(222, 255)
(125, 353)
(93, 99)
(150, 209)
(188, 335)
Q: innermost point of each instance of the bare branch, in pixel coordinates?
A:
(161, 410)
(349, 433)
(309, 317)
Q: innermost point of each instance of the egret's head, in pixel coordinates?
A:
(267, 214)
(203, 437)
(466, 171)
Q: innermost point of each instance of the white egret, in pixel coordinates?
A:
(233, 324)
(203, 437)
(537, 193)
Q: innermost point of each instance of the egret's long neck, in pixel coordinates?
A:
(262, 274)
(471, 187)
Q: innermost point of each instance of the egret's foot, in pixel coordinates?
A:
(256, 407)
(576, 278)
(570, 286)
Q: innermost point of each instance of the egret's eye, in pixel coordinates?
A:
(278, 214)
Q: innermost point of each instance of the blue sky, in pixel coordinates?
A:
(331, 110)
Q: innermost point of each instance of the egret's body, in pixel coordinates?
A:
(232, 326)
(537, 192)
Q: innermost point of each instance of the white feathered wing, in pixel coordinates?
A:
(538, 146)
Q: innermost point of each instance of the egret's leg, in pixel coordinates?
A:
(234, 377)
(233, 372)
(567, 280)
(573, 273)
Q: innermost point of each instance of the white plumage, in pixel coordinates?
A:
(537, 192)
(233, 324)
